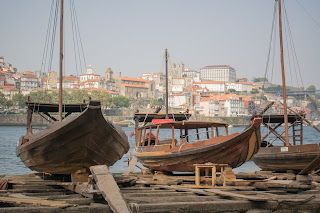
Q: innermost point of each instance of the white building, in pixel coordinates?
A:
(223, 73)
(239, 86)
(29, 81)
(211, 86)
(89, 75)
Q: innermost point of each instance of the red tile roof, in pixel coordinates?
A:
(135, 79)
(29, 76)
(133, 85)
(209, 82)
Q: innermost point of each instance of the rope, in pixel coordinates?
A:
(270, 41)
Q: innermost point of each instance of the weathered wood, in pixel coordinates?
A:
(206, 206)
(313, 165)
(132, 164)
(77, 209)
(157, 195)
(182, 198)
(235, 195)
(109, 189)
(35, 201)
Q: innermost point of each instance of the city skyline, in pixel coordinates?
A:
(131, 37)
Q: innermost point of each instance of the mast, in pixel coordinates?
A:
(167, 93)
(61, 59)
(283, 79)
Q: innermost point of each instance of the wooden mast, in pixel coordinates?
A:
(283, 79)
(61, 59)
(167, 91)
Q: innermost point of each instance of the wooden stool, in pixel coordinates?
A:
(213, 167)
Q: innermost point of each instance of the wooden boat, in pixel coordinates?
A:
(173, 144)
(178, 145)
(75, 143)
(70, 143)
(296, 156)
(290, 156)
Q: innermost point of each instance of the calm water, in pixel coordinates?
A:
(10, 164)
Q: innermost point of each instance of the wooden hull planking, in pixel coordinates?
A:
(75, 143)
(282, 158)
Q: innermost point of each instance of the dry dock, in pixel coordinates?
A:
(250, 192)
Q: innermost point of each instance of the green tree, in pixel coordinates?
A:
(3, 100)
(78, 96)
(254, 91)
(19, 100)
(260, 80)
(311, 87)
(41, 96)
(231, 90)
(121, 101)
(9, 103)
(103, 96)
(154, 102)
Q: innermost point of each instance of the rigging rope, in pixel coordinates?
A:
(316, 22)
(45, 50)
(268, 57)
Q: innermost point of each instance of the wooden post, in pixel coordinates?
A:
(198, 138)
(197, 176)
(181, 138)
(283, 79)
(223, 174)
(212, 133)
(167, 89)
(173, 143)
(61, 61)
(217, 131)
(157, 137)
(149, 139)
(214, 175)
(207, 132)
(144, 136)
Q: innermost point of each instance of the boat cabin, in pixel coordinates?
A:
(177, 133)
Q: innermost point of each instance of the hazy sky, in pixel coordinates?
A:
(131, 36)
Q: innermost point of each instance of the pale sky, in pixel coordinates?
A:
(131, 36)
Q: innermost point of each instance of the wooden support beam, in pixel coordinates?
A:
(109, 189)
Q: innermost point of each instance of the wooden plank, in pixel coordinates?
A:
(235, 195)
(109, 188)
(313, 165)
(131, 166)
(35, 201)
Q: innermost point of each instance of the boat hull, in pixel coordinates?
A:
(233, 150)
(281, 158)
(73, 144)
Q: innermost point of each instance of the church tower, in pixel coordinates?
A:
(109, 74)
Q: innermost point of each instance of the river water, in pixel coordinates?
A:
(10, 164)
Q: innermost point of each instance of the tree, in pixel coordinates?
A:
(311, 87)
(78, 96)
(9, 103)
(154, 102)
(254, 91)
(41, 96)
(121, 101)
(103, 96)
(260, 80)
(19, 100)
(231, 90)
(3, 100)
